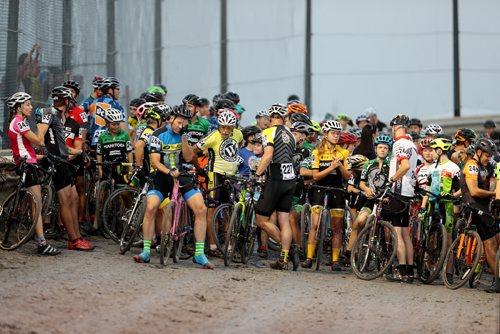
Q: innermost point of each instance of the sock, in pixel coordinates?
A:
(335, 254)
(41, 241)
(147, 246)
(263, 247)
(310, 250)
(284, 255)
(347, 254)
(402, 269)
(409, 269)
(201, 259)
(200, 248)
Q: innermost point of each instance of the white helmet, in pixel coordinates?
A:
(433, 129)
(17, 98)
(114, 115)
(262, 113)
(227, 117)
(370, 111)
(279, 109)
(331, 125)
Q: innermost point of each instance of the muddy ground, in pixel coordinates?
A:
(104, 292)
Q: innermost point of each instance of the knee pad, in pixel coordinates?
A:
(316, 209)
(337, 213)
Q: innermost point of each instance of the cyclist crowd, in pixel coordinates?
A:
(284, 149)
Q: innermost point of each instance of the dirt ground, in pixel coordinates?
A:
(104, 292)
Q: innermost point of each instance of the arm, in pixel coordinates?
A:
(139, 152)
(306, 172)
(366, 189)
(99, 167)
(345, 173)
(156, 163)
(319, 175)
(187, 150)
(475, 191)
(404, 167)
(265, 161)
(425, 198)
(38, 138)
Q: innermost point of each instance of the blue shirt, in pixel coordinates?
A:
(245, 154)
(97, 111)
(169, 145)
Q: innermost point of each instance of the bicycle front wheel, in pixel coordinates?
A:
(103, 193)
(167, 243)
(431, 259)
(305, 227)
(131, 234)
(462, 259)
(220, 223)
(321, 233)
(117, 211)
(17, 222)
(232, 235)
(497, 270)
(374, 250)
(249, 234)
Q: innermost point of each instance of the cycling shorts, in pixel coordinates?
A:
(163, 185)
(397, 211)
(446, 211)
(277, 195)
(336, 198)
(485, 225)
(356, 201)
(63, 176)
(33, 176)
(80, 163)
(220, 195)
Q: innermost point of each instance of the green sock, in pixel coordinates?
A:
(200, 248)
(147, 246)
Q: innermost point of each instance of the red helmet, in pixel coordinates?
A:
(347, 138)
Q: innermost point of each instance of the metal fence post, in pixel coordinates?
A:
(66, 35)
(456, 61)
(111, 39)
(157, 42)
(223, 46)
(308, 74)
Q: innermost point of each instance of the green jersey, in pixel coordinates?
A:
(197, 130)
(114, 147)
(375, 174)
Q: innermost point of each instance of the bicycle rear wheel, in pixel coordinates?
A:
(47, 199)
(167, 243)
(117, 210)
(249, 234)
(131, 234)
(321, 233)
(431, 258)
(497, 270)
(461, 259)
(220, 223)
(374, 250)
(305, 227)
(346, 228)
(232, 235)
(17, 224)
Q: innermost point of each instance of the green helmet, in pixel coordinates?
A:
(315, 127)
(442, 143)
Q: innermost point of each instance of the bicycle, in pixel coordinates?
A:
(377, 243)
(241, 233)
(116, 207)
(465, 251)
(180, 218)
(20, 211)
(432, 241)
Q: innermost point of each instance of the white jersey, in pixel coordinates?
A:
(404, 148)
(422, 175)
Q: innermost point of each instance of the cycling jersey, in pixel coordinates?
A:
(97, 111)
(283, 142)
(80, 116)
(222, 153)
(474, 171)
(72, 132)
(246, 155)
(114, 147)
(404, 148)
(55, 140)
(375, 175)
(197, 130)
(443, 178)
(422, 172)
(322, 159)
(146, 138)
(132, 123)
(497, 172)
(20, 145)
(169, 145)
(139, 129)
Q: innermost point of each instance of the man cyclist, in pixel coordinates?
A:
(415, 125)
(475, 186)
(422, 171)
(169, 150)
(403, 163)
(222, 146)
(52, 120)
(197, 126)
(464, 138)
(329, 168)
(262, 119)
(96, 93)
(431, 131)
(279, 187)
(132, 119)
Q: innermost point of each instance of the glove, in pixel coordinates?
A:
(421, 214)
(183, 130)
(445, 195)
(38, 115)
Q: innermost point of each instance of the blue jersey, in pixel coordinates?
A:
(169, 145)
(246, 155)
(97, 111)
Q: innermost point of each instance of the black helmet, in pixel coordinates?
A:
(61, 93)
(257, 138)
(164, 111)
(299, 117)
(109, 82)
(191, 99)
(217, 97)
(232, 96)
(250, 130)
(153, 97)
(204, 101)
(72, 84)
(400, 119)
(137, 102)
(416, 121)
(301, 127)
(486, 145)
(182, 111)
(489, 124)
(221, 104)
(96, 82)
(464, 134)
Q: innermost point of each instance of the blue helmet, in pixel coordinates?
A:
(383, 139)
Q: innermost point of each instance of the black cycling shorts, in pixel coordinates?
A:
(163, 185)
(33, 176)
(63, 176)
(485, 225)
(336, 198)
(220, 195)
(275, 196)
(356, 201)
(397, 211)
(80, 163)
